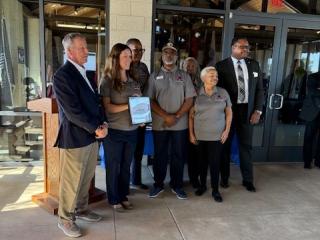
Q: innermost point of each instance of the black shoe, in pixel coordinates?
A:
(317, 164)
(217, 196)
(249, 186)
(195, 184)
(224, 184)
(200, 191)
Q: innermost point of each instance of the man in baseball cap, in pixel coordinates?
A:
(171, 93)
(169, 45)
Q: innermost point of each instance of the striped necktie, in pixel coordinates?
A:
(241, 87)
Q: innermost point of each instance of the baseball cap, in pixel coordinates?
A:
(169, 45)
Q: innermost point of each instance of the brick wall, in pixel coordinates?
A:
(131, 19)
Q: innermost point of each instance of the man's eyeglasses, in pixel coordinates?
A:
(243, 47)
(136, 50)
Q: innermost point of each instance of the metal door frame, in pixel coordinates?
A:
(289, 21)
(260, 154)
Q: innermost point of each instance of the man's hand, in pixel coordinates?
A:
(170, 120)
(102, 131)
(255, 117)
(193, 139)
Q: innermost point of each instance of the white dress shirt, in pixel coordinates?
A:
(82, 71)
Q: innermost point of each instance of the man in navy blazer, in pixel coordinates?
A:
(247, 104)
(310, 112)
(81, 123)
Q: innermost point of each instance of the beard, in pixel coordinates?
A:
(170, 62)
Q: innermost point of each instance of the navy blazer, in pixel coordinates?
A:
(80, 109)
(311, 104)
(228, 80)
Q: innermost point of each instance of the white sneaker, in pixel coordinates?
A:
(69, 228)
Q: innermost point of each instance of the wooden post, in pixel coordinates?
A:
(49, 199)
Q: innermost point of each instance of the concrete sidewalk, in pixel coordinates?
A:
(285, 206)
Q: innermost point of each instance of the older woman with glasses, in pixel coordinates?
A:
(209, 126)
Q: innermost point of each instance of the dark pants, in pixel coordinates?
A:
(312, 131)
(193, 169)
(119, 147)
(177, 152)
(209, 153)
(244, 132)
(138, 155)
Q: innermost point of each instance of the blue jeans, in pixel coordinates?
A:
(119, 147)
(171, 144)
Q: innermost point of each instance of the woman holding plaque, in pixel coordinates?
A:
(117, 85)
(209, 126)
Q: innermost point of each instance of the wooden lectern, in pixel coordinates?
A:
(49, 199)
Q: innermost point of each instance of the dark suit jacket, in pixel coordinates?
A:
(80, 109)
(228, 80)
(311, 104)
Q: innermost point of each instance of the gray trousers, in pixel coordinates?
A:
(77, 168)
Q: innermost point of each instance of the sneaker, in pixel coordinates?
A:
(89, 216)
(69, 228)
(179, 193)
(127, 205)
(155, 191)
(139, 186)
(118, 208)
(217, 196)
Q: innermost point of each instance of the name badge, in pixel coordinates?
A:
(255, 74)
(159, 77)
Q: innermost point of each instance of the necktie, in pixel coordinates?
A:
(241, 87)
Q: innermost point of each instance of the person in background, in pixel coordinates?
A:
(209, 126)
(171, 93)
(242, 78)
(81, 121)
(191, 66)
(142, 73)
(117, 85)
(310, 112)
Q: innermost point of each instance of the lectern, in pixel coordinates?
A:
(49, 199)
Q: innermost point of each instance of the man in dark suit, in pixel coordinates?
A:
(310, 112)
(241, 77)
(81, 123)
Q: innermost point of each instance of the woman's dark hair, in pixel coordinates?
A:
(112, 68)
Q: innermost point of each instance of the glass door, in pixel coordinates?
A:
(263, 35)
(300, 56)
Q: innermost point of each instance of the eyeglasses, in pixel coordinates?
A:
(136, 50)
(243, 47)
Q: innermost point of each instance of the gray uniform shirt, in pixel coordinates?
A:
(120, 120)
(143, 74)
(170, 89)
(209, 115)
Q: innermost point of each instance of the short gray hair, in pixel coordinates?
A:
(206, 70)
(68, 39)
(192, 59)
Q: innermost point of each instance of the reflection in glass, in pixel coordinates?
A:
(302, 59)
(195, 35)
(213, 4)
(277, 6)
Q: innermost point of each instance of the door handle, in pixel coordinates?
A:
(271, 101)
(281, 101)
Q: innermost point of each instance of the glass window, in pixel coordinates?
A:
(195, 35)
(61, 19)
(278, 6)
(213, 4)
(20, 82)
